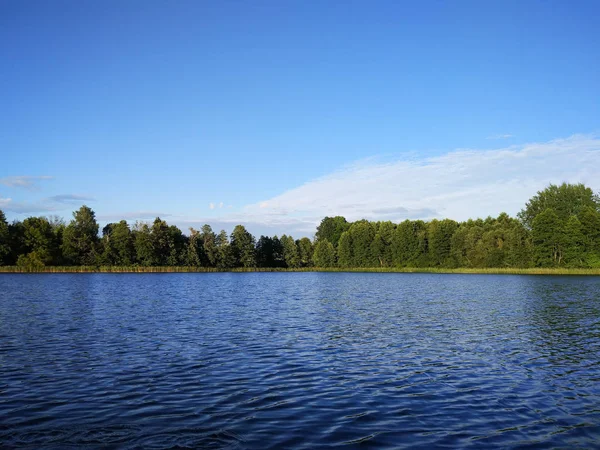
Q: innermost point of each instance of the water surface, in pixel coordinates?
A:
(299, 360)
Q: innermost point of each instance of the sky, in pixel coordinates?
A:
(275, 114)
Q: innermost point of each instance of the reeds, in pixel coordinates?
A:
(186, 269)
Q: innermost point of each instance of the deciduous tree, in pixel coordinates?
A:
(305, 249)
(80, 238)
(290, 252)
(547, 231)
(225, 256)
(345, 256)
(324, 255)
(566, 200)
(331, 229)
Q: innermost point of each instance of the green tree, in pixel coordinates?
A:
(464, 243)
(142, 242)
(324, 255)
(177, 247)
(519, 251)
(378, 248)
(491, 248)
(573, 242)
(409, 244)
(590, 228)
(345, 256)
(566, 200)
(547, 236)
(331, 229)
(439, 233)
(122, 243)
(195, 249)
(209, 244)
(266, 252)
(161, 245)
(243, 246)
(291, 254)
(58, 226)
(363, 234)
(381, 247)
(278, 254)
(225, 256)
(118, 246)
(305, 251)
(500, 242)
(80, 238)
(40, 238)
(4, 239)
(16, 239)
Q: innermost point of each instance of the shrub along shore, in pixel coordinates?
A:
(188, 269)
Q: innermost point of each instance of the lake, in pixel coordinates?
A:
(299, 360)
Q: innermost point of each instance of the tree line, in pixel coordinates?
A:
(558, 227)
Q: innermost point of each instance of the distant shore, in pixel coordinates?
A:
(184, 269)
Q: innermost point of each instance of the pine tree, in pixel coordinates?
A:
(243, 246)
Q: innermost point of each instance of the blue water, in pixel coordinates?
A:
(299, 360)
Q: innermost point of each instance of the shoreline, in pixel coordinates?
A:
(184, 269)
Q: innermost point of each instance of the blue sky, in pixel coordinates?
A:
(278, 113)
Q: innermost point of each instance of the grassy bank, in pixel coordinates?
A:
(183, 269)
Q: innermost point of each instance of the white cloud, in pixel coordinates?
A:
(213, 205)
(23, 181)
(5, 202)
(461, 184)
(48, 204)
(27, 207)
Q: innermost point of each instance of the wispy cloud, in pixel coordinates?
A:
(8, 204)
(70, 199)
(4, 202)
(24, 181)
(48, 204)
(500, 136)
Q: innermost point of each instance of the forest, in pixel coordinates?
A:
(558, 227)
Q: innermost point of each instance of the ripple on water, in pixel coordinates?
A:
(299, 360)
